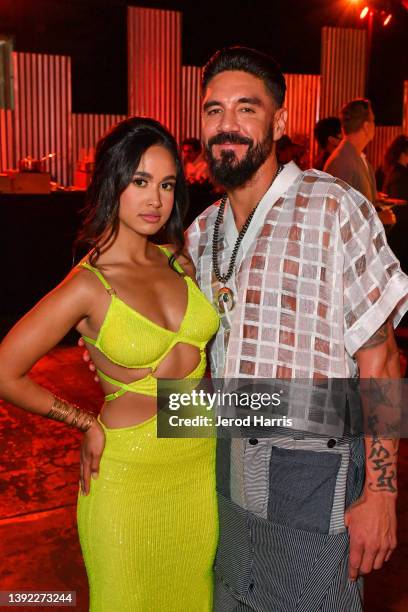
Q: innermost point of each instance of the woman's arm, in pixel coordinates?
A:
(34, 335)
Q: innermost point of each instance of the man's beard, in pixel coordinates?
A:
(230, 172)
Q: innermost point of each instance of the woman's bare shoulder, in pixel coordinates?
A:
(183, 259)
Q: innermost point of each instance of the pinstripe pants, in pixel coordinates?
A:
(283, 544)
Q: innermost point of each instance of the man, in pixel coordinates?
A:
(195, 166)
(348, 161)
(308, 288)
(327, 132)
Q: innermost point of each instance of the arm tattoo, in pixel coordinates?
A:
(382, 457)
(380, 336)
(383, 463)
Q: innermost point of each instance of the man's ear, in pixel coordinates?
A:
(279, 123)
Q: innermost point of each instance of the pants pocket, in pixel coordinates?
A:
(301, 488)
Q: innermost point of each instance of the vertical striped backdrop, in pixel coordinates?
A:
(302, 102)
(87, 129)
(191, 102)
(42, 111)
(154, 65)
(342, 68)
(42, 121)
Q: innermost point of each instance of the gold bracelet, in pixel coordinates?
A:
(62, 410)
(59, 410)
(89, 422)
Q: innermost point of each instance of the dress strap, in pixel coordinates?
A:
(98, 274)
(146, 386)
(169, 254)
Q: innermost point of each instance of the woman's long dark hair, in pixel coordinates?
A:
(118, 154)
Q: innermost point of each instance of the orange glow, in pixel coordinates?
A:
(364, 12)
(387, 20)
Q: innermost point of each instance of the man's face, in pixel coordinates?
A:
(370, 126)
(189, 153)
(333, 142)
(240, 124)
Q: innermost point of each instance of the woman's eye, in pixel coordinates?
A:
(139, 182)
(168, 186)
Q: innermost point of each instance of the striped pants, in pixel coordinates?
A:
(283, 544)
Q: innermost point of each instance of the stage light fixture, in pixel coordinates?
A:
(387, 19)
(364, 12)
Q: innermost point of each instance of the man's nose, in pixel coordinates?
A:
(228, 122)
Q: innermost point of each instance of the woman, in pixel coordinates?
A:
(148, 525)
(396, 168)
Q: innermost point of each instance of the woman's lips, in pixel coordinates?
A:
(151, 218)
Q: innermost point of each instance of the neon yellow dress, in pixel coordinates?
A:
(148, 528)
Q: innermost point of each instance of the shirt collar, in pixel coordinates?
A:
(280, 185)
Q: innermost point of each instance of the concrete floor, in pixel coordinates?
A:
(39, 547)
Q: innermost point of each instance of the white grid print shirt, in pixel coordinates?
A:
(313, 282)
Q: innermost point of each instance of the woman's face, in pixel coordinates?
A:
(146, 203)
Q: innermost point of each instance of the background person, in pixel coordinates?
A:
(328, 135)
(396, 168)
(348, 161)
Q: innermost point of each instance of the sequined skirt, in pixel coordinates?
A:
(148, 528)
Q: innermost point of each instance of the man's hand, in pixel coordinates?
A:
(372, 526)
(91, 453)
(87, 358)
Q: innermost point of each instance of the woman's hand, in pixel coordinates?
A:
(87, 358)
(91, 453)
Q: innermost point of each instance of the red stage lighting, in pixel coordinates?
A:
(387, 19)
(364, 12)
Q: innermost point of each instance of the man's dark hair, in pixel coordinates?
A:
(259, 64)
(330, 126)
(354, 114)
(192, 142)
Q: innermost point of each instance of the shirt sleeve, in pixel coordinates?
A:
(374, 285)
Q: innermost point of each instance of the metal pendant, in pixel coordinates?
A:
(225, 299)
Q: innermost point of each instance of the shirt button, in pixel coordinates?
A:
(331, 443)
(253, 441)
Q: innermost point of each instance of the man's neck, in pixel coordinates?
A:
(244, 199)
(358, 140)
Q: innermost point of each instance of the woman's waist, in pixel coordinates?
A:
(148, 384)
(135, 403)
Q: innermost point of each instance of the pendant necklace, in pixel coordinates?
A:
(225, 295)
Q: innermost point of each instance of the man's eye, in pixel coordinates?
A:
(247, 109)
(139, 182)
(168, 186)
(214, 111)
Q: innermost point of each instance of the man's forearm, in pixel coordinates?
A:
(381, 403)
